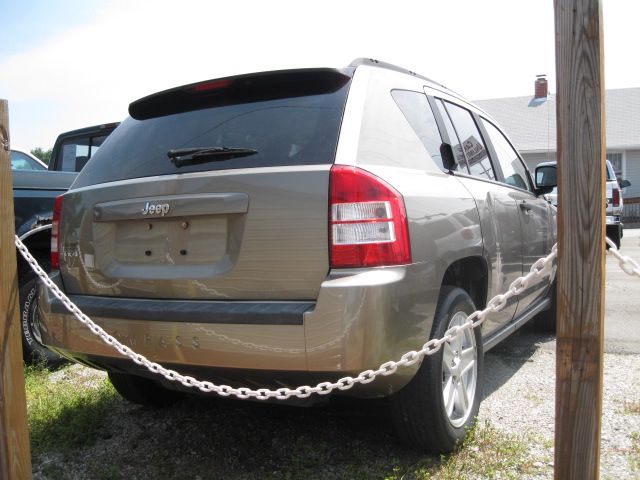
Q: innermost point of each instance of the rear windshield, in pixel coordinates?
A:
(75, 152)
(611, 175)
(299, 130)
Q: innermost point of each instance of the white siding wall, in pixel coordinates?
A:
(632, 174)
(533, 159)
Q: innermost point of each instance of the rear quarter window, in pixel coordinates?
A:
(395, 131)
(611, 174)
(417, 111)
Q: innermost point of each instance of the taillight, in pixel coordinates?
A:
(616, 197)
(55, 234)
(368, 221)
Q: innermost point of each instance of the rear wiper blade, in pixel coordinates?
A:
(194, 155)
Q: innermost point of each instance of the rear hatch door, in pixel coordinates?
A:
(217, 190)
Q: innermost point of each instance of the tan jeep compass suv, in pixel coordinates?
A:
(293, 227)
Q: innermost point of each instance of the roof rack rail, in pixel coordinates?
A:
(377, 63)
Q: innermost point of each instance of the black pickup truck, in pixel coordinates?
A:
(35, 187)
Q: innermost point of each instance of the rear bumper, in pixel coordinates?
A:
(177, 311)
(360, 319)
(613, 220)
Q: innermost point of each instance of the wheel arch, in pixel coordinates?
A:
(472, 275)
(38, 241)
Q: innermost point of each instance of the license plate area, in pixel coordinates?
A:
(163, 248)
(170, 241)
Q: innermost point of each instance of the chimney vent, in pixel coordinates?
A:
(541, 87)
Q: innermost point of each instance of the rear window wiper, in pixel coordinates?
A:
(194, 155)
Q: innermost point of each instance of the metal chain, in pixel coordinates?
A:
(4, 139)
(627, 264)
(539, 269)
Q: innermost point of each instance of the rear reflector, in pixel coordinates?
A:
(368, 221)
(55, 234)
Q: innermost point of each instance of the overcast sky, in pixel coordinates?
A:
(73, 63)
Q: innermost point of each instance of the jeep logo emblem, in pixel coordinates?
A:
(155, 209)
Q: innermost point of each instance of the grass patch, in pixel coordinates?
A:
(535, 399)
(487, 453)
(631, 408)
(64, 409)
(80, 428)
(634, 452)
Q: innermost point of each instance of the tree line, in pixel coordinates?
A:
(44, 155)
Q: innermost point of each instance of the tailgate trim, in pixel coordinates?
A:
(176, 206)
(192, 311)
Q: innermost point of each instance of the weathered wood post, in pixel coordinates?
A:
(15, 457)
(581, 228)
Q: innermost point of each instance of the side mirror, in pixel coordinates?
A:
(625, 183)
(448, 160)
(546, 178)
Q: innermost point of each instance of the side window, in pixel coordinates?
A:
(96, 142)
(515, 173)
(614, 167)
(453, 137)
(416, 109)
(75, 153)
(20, 161)
(471, 143)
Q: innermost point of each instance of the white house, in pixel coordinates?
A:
(530, 122)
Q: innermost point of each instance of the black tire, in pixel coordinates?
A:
(546, 321)
(616, 240)
(143, 391)
(33, 351)
(615, 234)
(419, 409)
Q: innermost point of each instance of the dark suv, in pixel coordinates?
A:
(292, 227)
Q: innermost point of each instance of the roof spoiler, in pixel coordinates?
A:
(254, 87)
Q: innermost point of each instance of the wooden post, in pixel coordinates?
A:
(15, 457)
(581, 228)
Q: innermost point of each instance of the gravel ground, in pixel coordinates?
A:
(520, 377)
(520, 399)
(519, 392)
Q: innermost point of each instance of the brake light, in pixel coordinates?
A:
(368, 221)
(55, 234)
(616, 197)
(212, 85)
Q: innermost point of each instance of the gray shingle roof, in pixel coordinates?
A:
(534, 128)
